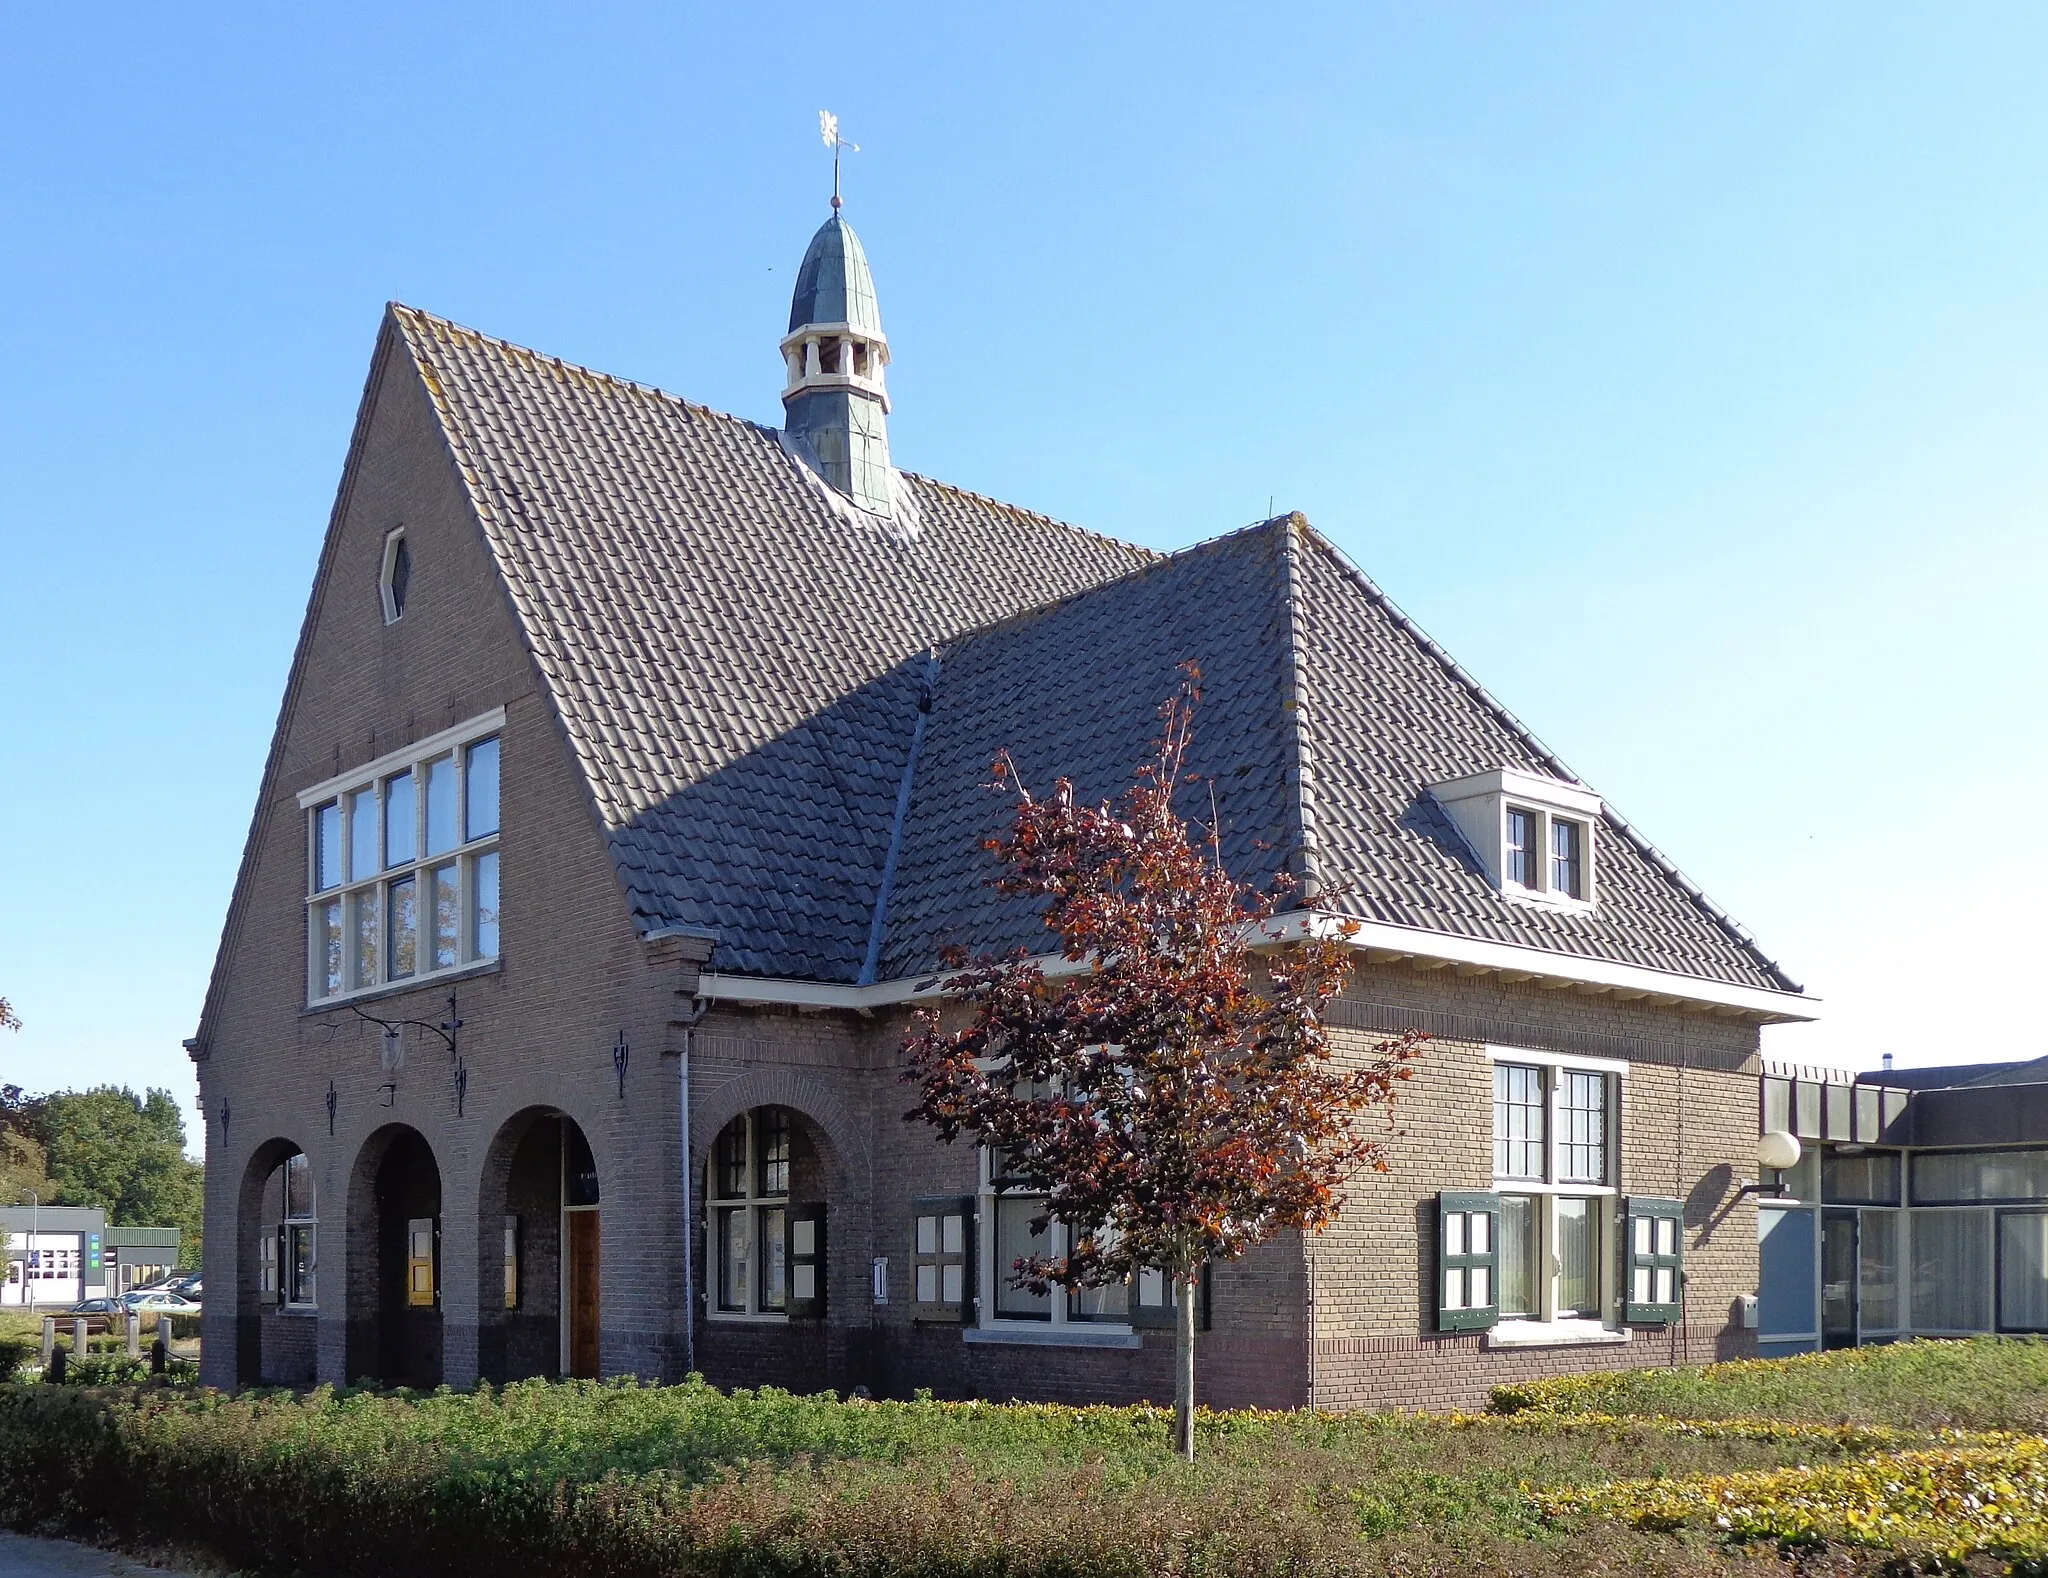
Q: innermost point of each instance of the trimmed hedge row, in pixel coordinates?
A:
(619, 1481)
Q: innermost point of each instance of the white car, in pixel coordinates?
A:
(160, 1303)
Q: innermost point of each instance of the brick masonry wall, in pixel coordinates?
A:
(539, 1029)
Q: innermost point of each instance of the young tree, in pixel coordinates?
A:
(126, 1154)
(1173, 1092)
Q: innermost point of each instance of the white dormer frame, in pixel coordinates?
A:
(1479, 806)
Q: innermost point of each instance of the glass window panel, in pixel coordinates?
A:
(1868, 1122)
(480, 816)
(299, 1265)
(1777, 1106)
(483, 915)
(732, 1160)
(953, 1283)
(298, 1185)
(1521, 847)
(927, 1235)
(1014, 1242)
(405, 928)
(1980, 1175)
(1567, 860)
(327, 847)
(1518, 1255)
(1951, 1258)
(1518, 1121)
(1806, 1109)
(369, 933)
(1838, 1103)
(927, 1284)
(953, 1235)
(1454, 1232)
(2023, 1271)
(1584, 1153)
(1877, 1275)
(1578, 1257)
(362, 834)
(1871, 1178)
(447, 891)
(441, 818)
(734, 1258)
(1104, 1303)
(327, 950)
(400, 840)
(771, 1142)
(774, 1258)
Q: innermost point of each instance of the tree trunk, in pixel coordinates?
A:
(1184, 1363)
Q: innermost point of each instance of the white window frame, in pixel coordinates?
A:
(464, 855)
(386, 593)
(1546, 1321)
(994, 1279)
(752, 1204)
(1479, 807)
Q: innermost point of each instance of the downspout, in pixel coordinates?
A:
(878, 927)
(689, 1025)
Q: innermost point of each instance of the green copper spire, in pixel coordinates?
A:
(835, 351)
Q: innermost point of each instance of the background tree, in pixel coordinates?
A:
(8, 1019)
(1175, 1098)
(110, 1148)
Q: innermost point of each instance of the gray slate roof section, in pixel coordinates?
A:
(731, 659)
(1072, 689)
(737, 667)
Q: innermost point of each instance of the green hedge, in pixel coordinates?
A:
(622, 1481)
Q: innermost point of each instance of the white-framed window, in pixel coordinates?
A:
(1534, 836)
(288, 1249)
(402, 865)
(1555, 1138)
(748, 1191)
(394, 576)
(1007, 1214)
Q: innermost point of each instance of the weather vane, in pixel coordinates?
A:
(828, 128)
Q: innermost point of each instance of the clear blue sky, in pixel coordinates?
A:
(1686, 374)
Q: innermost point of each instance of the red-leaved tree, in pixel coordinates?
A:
(1170, 1090)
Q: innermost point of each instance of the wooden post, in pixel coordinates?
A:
(49, 1339)
(134, 1321)
(77, 1339)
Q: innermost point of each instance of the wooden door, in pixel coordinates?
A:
(583, 1294)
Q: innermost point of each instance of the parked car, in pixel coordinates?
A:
(160, 1303)
(97, 1307)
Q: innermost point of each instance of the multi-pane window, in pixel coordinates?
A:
(403, 871)
(1553, 1146)
(1567, 858)
(1013, 1214)
(750, 1214)
(1518, 1121)
(1521, 847)
(1582, 1148)
(287, 1250)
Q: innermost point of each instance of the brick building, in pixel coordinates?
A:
(630, 775)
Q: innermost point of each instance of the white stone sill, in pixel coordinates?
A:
(1556, 1334)
(1052, 1337)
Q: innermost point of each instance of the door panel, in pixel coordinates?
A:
(1838, 1279)
(583, 1240)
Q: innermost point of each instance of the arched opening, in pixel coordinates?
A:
(763, 1250)
(274, 1336)
(394, 1260)
(538, 1235)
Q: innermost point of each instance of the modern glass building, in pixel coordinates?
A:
(1918, 1206)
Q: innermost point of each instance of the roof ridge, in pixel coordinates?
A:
(1498, 710)
(1297, 699)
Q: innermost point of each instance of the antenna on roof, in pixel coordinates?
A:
(828, 128)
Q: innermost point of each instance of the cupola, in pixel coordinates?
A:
(834, 354)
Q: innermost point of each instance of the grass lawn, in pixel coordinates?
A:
(1595, 1476)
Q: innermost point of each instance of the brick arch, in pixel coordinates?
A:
(847, 1148)
(248, 1227)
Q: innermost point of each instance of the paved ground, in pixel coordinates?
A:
(22, 1557)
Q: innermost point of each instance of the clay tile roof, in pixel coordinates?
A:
(741, 668)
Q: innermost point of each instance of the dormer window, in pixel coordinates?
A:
(1533, 835)
(396, 577)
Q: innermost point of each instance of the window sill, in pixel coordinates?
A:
(1556, 1334)
(1054, 1336)
(417, 983)
(744, 1318)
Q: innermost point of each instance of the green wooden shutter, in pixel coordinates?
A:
(1655, 1266)
(942, 1257)
(806, 1299)
(1467, 1260)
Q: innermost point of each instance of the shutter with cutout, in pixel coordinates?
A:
(511, 1262)
(1656, 1260)
(267, 1264)
(1467, 1260)
(942, 1257)
(806, 1251)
